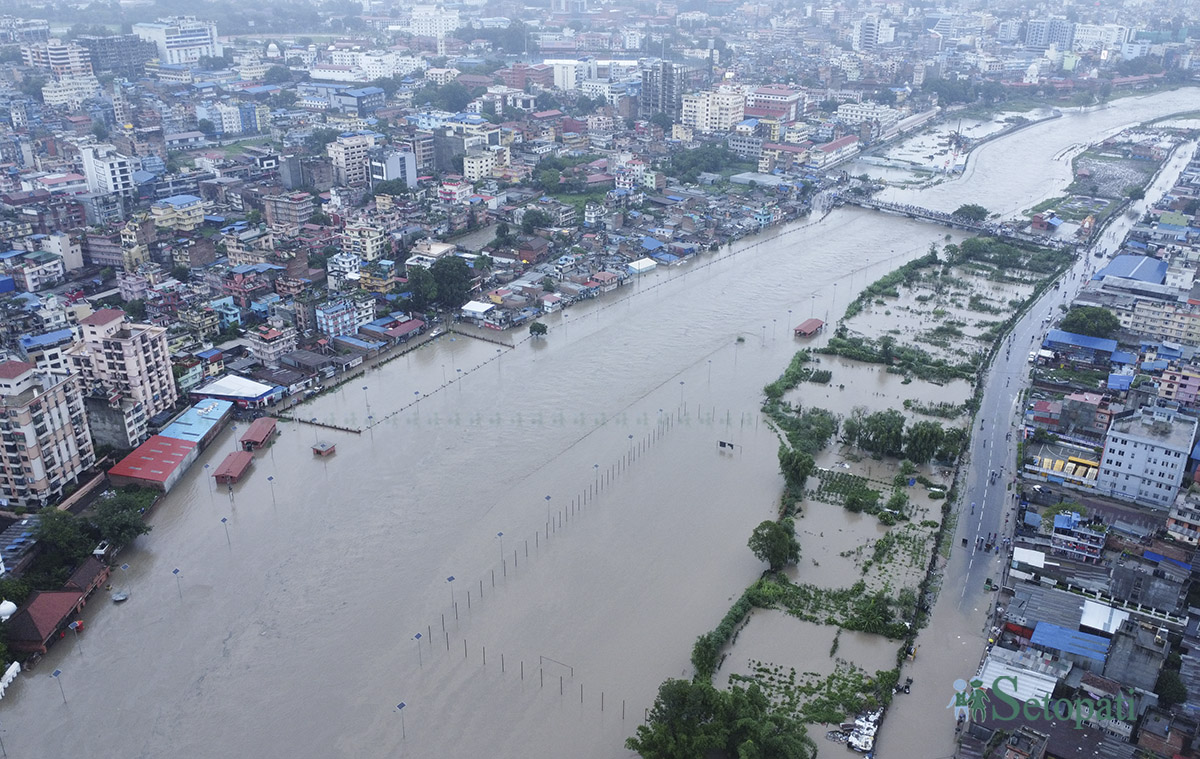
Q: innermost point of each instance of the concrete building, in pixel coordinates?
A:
(1145, 456)
(179, 212)
(349, 154)
(288, 212)
(117, 53)
(368, 242)
(107, 171)
(663, 86)
(181, 40)
(386, 165)
(44, 429)
(709, 112)
(272, 341)
(61, 59)
(432, 21)
(126, 371)
(344, 316)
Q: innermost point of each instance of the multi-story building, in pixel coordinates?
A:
(34, 271)
(1145, 455)
(708, 112)
(117, 53)
(1183, 521)
(137, 234)
(1076, 539)
(288, 212)
(349, 154)
(663, 85)
(338, 317)
(342, 271)
(478, 164)
(106, 170)
(181, 39)
(180, 212)
(271, 341)
(368, 242)
(1180, 384)
(45, 434)
(71, 91)
(126, 374)
(1041, 33)
(61, 59)
(432, 21)
(387, 165)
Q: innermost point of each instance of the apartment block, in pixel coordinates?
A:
(350, 155)
(365, 241)
(127, 368)
(44, 430)
(182, 39)
(61, 59)
(288, 212)
(1145, 455)
(708, 112)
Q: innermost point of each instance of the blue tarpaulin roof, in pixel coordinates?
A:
(1151, 556)
(1120, 381)
(1124, 357)
(1157, 365)
(1070, 641)
(1141, 268)
(1081, 341)
(1032, 519)
(649, 243)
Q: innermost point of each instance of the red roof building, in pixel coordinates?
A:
(809, 327)
(233, 467)
(157, 463)
(45, 613)
(260, 431)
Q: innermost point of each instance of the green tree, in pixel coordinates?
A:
(390, 187)
(422, 288)
(796, 466)
(922, 440)
(119, 520)
(953, 441)
(63, 537)
(883, 433)
(136, 309)
(33, 85)
(1093, 321)
(277, 75)
(662, 121)
(319, 138)
(775, 543)
(206, 126)
(548, 180)
(548, 284)
(100, 129)
(1170, 688)
(1134, 193)
(537, 329)
(181, 273)
(972, 212)
(684, 722)
(453, 278)
(533, 219)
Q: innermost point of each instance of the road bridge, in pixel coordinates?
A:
(989, 228)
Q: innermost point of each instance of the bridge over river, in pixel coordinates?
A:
(992, 229)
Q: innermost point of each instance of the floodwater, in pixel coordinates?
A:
(293, 632)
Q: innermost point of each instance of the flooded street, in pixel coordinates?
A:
(297, 637)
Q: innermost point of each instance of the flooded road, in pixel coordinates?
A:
(297, 637)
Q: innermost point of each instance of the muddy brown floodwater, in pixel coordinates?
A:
(296, 638)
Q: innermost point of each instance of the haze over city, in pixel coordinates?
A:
(682, 380)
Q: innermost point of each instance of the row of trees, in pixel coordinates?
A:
(884, 433)
(692, 719)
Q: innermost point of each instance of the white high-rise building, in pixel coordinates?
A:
(1145, 456)
(181, 39)
(432, 21)
(350, 155)
(45, 434)
(106, 170)
(718, 111)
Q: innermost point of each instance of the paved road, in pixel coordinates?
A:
(954, 641)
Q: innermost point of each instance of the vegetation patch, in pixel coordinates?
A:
(833, 699)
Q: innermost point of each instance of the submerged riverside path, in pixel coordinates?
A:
(298, 635)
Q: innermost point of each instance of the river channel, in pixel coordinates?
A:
(293, 634)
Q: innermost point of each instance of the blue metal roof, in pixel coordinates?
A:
(1124, 357)
(180, 200)
(1156, 365)
(1141, 268)
(49, 338)
(1070, 641)
(1120, 381)
(1081, 341)
(197, 421)
(1032, 519)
